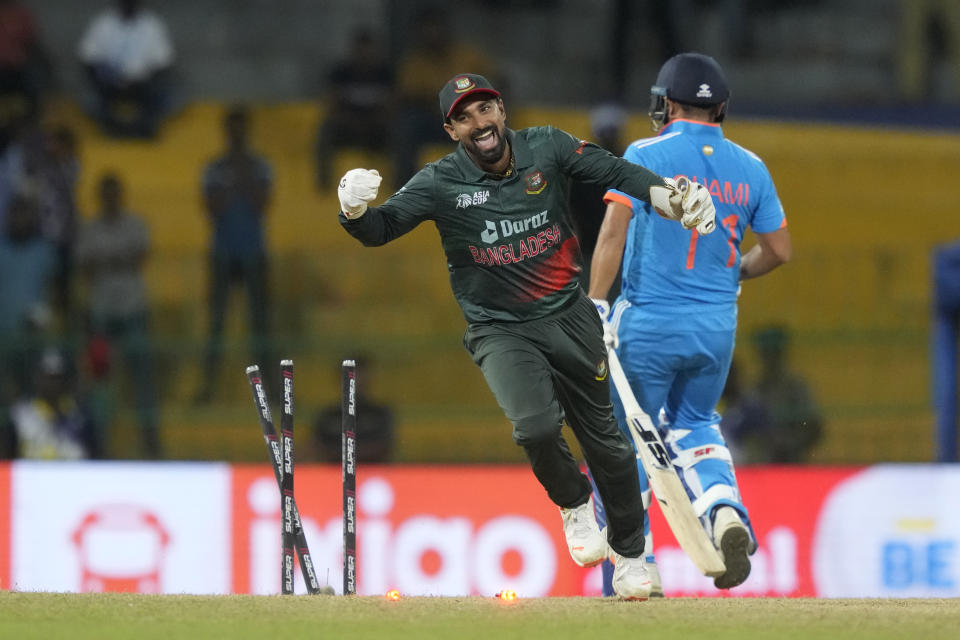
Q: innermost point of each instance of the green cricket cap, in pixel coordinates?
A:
(459, 87)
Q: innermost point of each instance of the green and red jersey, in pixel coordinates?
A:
(509, 241)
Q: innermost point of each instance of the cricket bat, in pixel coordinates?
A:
(664, 481)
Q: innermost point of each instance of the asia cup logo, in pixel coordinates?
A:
(464, 200)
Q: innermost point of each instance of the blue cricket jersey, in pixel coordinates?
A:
(677, 279)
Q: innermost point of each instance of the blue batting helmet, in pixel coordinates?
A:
(692, 79)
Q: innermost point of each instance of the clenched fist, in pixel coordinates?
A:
(358, 187)
(687, 202)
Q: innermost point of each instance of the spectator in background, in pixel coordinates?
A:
(607, 122)
(56, 177)
(795, 420)
(436, 54)
(236, 190)
(15, 161)
(28, 262)
(359, 91)
(24, 67)
(111, 253)
(44, 163)
(375, 424)
(128, 55)
(928, 29)
(745, 418)
(945, 337)
(51, 423)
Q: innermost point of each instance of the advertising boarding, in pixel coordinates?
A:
(209, 528)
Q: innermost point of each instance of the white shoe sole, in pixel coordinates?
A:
(586, 565)
(634, 598)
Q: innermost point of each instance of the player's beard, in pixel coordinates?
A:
(488, 156)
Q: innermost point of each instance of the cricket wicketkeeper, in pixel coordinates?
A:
(500, 204)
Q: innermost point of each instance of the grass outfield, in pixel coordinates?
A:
(77, 616)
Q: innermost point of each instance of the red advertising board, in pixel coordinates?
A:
(430, 530)
(784, 503)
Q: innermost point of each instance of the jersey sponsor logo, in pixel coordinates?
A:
(511, 227)
(528, 247)
(490, 235)
(535, 183)
(465, 200)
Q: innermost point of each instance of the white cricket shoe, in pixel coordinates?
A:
(631, 579)
(656, 584)
(732, 538)
(585, 542)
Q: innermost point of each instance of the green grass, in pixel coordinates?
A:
(104, 616)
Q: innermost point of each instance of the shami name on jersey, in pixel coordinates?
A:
(728, 193)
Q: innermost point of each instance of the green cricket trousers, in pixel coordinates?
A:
(547, 370)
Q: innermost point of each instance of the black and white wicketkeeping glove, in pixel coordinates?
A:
(687, 202)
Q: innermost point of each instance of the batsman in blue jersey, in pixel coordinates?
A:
(675, 321)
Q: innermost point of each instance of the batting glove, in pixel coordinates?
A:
(609, 335)
(358, 187)
(687, 202)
